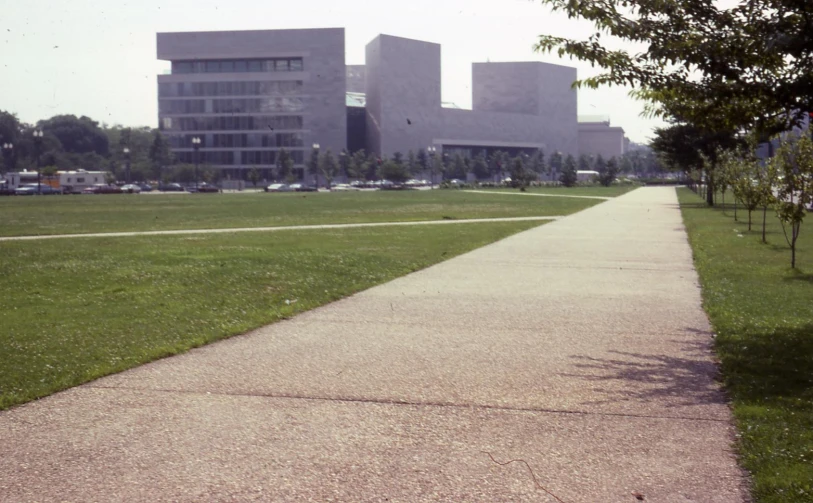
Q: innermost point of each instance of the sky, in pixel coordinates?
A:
(98, 57)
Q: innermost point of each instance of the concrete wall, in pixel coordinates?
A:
(403, 94)
(601, 138)
(526, 105)
(324, 75)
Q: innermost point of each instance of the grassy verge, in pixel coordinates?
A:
(761, 311)
(75, 312)
(613, 191)
(146, 212)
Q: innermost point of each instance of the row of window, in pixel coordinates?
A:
(253, 88)
(238, 65)
(257, 123)
(239, 140)
(231, 106)
(230, 158)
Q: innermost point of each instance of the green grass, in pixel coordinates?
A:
(762, 312)
(148, 212)
(613, 191)
(80, 309)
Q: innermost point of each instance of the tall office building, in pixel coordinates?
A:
(249, 94)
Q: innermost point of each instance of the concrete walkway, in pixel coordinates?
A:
(534, 194)
(578, 347)
(276, 229)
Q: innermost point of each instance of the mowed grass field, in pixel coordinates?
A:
(762, 313)
(155, 212)
(78, 309)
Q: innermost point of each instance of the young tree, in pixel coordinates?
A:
(358, 165)
(794, 163)
(606, 176)
(569, 176)
(520, 178)
(398, 158)
(393, 171)
(328, 167)
(538, 163)
(584, 163)
(254, 176)
(480, 166)
(412, 163)
(556, 164)
(285, 166)
(457, 168)
(160, 155)
(423, 160)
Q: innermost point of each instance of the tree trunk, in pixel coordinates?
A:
(764, 218)
(735, 209)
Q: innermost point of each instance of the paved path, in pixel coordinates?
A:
(535, 194)
(579, 347)
(275, 229)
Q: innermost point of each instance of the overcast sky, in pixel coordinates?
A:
(97, 57)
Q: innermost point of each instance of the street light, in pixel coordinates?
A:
(127, 162)
(37, 147)
(432, 149)
(196, 145)
(315, 164)
(8, 151)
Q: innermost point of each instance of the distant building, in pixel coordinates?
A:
(597, 137)
(249, 94)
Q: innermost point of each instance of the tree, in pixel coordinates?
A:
(556, 164)
(584, 163)
(600, 164)
(78, 135)
(160, 155)
(681, 147)
(412, 163)
(285, 166)
(480, 166)
(254, 176)
(328, 167)
(712, 65)
(794, 163)
(393, 171)
(520, 178)
(423, 160)
(569, 176)
(398, 158)
(358, 164)
(538, 163)
(457, 168)
(607, 174)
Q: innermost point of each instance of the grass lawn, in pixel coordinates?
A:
(762, 312)
(76, 310)
(613, 191)
(147, 212)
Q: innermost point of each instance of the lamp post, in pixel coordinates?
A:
(127, 162)
(37, 148)
(8, 151)
(315, 164)
(196, 146)
(432, 150)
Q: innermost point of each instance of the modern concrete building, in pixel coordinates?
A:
(597, 137)
(248, 94)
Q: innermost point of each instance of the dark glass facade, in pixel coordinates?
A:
(253, 88)
(232, 123)
(237, 140)
(238, 66)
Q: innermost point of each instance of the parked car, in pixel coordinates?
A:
(307, 188)
(146, 187)
(170, 187)
(295, 187)
(101, 188)
(278, 187)
(32, 188)
(342, 187)
(206, 188)
(131, 188)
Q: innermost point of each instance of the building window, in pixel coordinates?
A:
(239, 66)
